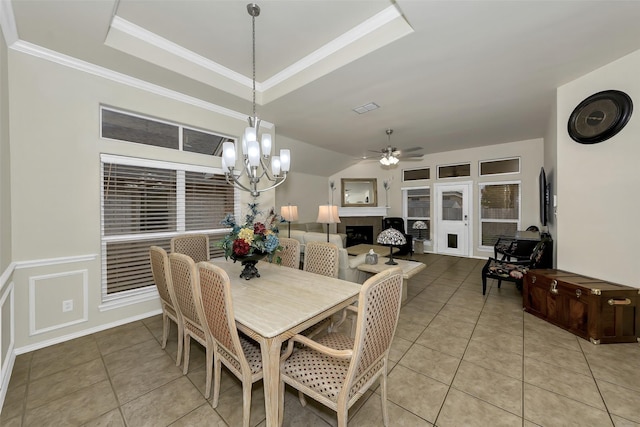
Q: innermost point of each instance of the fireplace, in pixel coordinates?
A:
(363, 229)
(358, 234)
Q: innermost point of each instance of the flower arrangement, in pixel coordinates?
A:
(253, 237)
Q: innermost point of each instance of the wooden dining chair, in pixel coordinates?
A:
(322, 258)
(185, 278)
(170, 311)
(238, 353)
(290, 254)
(194, 245)
(335, 369)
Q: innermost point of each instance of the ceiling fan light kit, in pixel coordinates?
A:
(391, 156)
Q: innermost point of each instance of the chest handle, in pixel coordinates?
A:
(613, 301)
(554, 287)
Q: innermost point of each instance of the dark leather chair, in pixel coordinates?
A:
(398, 224)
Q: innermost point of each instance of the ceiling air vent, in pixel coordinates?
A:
(366, 108)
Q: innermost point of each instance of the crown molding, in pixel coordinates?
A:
(371, 25)
(8, 23)
(153, 39)
(77, 64)
(374, 33)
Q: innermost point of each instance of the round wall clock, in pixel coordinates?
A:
(600, 116)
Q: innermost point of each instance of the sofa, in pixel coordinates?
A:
(348, 265)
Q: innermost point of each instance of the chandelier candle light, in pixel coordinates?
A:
(257, 161)
(391, 237)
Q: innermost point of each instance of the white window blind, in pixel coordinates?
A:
(146, 203)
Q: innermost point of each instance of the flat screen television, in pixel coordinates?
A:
(544, 197)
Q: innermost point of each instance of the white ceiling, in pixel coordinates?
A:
(447, 74)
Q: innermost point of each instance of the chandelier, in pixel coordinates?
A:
(389, 157)
(257, 161)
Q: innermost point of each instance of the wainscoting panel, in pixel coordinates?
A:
(58, 300)
(7, 338)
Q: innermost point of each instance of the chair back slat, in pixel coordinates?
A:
(215, 291)
(160, 270)
(321, 258)
(290, 254)
(183, 273)
(194, 245)
(378, 311)
(537, 253)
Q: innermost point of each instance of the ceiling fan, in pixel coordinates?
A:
(390, 155)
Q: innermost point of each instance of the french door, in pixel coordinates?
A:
(453, 218)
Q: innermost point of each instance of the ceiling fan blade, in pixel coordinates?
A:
(416, 156)
(406, 150)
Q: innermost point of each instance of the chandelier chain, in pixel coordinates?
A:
(253, 25)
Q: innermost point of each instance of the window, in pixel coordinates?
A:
(417, 203)
(498, 167)
(499, 211)
(136, 128)
(454, 171)
(146, 203)
(416, 174)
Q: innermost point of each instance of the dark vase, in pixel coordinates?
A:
(249, 263)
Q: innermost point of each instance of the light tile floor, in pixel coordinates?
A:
(459, 359)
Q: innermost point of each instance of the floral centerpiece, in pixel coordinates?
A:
(253, 240)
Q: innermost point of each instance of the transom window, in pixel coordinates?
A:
(499, 167)
(454, 171)
(416, 174)
(129, 127)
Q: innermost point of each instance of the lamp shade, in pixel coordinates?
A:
(285, 159)
(289, 213)
(419, 225)
(253, 152)
(228, 155)
(328, 214)
(266, 144)
(275, 165)
(392, 237)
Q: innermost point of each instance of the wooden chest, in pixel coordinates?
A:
(593, 309)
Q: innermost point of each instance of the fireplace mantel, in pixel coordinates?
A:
(364, 211)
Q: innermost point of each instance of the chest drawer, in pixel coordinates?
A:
(593, 309)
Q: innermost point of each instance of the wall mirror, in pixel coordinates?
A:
(359, 192)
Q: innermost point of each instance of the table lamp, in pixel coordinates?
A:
(289, 213)
(419, 225)
(328, 214)
(391, 237)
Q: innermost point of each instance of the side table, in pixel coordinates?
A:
(418, 246)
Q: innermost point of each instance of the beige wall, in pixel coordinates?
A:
(598, 184)
(551, 167)
(55, 180)
(305, 187)
(529, 151)
(5, 170)
(6, 276)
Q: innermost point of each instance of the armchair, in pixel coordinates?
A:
(514, 271)
(398, 224)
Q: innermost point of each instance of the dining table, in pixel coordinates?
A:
(277, 305)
